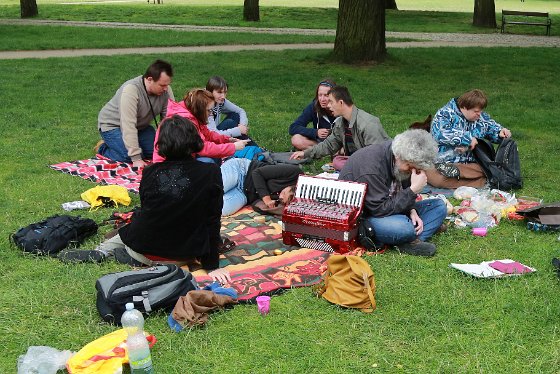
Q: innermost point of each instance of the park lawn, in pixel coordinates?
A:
(67, 37)
(429, 318)
(283, 17)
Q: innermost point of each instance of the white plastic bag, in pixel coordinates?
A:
(43, 360)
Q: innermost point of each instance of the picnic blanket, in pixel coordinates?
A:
(255, 269)
(103, 170)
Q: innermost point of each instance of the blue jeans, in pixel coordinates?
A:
(208, 160)
(231, 121)
(398, 229)
(114, 148)
(233, 176)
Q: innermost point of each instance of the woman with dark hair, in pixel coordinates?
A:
(319, 114)
(179, 217)
(247, 181)
(197, 107)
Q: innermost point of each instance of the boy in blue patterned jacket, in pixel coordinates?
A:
(455, 127)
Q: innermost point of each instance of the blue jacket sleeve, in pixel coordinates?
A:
(493, 128)
(300, 124)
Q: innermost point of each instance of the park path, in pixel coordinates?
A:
(421, 40)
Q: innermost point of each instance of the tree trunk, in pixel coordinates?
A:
(484, 13)
(391, 4)
(360, 32)
(251, 10)
(28, 8)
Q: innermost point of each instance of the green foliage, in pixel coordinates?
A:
(429, 318)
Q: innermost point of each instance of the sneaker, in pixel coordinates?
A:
(418, 248)
(97, 146)
(76, 256)
(448, 170)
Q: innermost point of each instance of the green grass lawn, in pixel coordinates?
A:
(429, 317)
(65, 37)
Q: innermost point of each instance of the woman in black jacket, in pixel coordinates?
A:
(246, 181)
(179, 217)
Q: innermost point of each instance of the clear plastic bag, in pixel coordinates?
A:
(43, 360)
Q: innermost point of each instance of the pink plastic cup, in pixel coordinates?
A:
(263, 304)
(480, 231)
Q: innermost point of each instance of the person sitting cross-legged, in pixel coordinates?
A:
(395, 173)
(180, 207)
(456, 127)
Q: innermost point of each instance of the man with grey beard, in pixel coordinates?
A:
(395, 173)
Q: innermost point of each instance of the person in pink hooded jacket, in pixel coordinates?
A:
(197, 106)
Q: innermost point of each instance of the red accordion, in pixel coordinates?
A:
(324, 214)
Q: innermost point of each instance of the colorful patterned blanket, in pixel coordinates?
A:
(254, 268)
(102, 170)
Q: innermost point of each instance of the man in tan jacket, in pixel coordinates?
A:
(125, 121)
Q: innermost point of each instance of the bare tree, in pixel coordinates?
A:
(360, 32)
(251, 10)
(28, 8)
(391, 4)
(484, 13)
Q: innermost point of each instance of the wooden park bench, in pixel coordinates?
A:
(525, 18)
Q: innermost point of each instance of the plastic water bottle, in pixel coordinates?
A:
(138, 349)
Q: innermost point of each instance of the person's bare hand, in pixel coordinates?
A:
(220, 275)
(474, 142)
(139, 164)
(418, 180)
(505, 133)
(296, 155)
(244, 129)
(240, 144)
(269, 202)
(323, 133)
(417, 222)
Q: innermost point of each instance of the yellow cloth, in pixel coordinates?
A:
(112, 195)
(105, 355)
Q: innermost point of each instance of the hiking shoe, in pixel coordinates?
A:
(418, 248)
(97, 146)
(76, 256)
(448, 170)
(442, 228)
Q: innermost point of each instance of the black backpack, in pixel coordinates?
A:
(501, 167)
(150, 289)
(50, 236)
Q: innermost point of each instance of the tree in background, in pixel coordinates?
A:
(360, 31)
(484, 13)
(251, 10)
(28, 8)
(391, 4)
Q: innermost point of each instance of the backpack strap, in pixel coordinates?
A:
(145, 301)
(370, 294)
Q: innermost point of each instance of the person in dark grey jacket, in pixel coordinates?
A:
(246, 181)
(395, 173)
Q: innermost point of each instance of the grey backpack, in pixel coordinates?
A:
(150, 289)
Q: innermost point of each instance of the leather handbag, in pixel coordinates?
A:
(349, 282)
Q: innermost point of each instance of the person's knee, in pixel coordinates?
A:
(436, 179)
(302, 143)
(440, 207)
